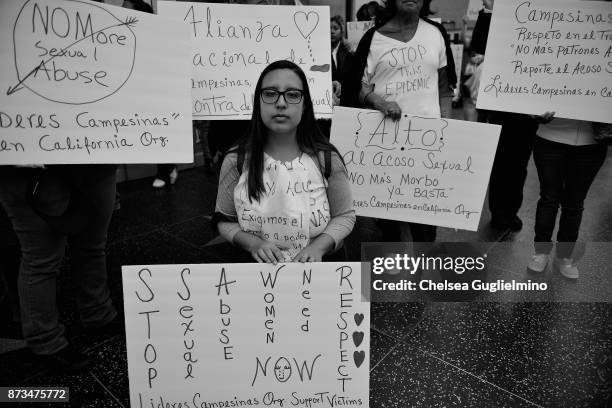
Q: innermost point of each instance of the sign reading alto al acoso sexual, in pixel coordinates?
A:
(427, 170)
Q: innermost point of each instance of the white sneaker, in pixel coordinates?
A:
(567, 268)
(173, 175)
(158, 183)
(538, 263)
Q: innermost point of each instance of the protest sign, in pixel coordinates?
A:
(425, 170)
(87, 83)
(247, 334)
(232, 44)
(355, 30)
(549, 55)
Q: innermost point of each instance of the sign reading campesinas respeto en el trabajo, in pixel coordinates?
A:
(82, 82)
(232, 44)
(549, 55)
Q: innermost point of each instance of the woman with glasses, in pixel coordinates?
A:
(284, 193)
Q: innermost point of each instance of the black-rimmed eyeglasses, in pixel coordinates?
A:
(271, 95)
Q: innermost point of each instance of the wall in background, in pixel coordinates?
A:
(335, 6)
(452, 10)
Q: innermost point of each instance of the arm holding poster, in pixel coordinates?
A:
(284, 192)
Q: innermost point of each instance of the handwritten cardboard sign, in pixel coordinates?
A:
(355, 30)
(83, 82)
(232, 44)
(549, 55)
(252, 334)
(425, 170)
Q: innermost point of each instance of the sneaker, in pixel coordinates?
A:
(67, 360)
(567, 268)
(158, 183)
(538, 263)
(173, 175)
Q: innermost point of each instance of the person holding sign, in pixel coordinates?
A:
(284, 193)
(341, 55)
(50, 207)
(567, 157)
(518, 132)
(402, 67)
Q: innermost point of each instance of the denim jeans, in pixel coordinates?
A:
(43, 249)
(566, 173)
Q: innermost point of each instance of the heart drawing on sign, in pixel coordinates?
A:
(358, 318)
(359, 356)
(357, 338)
(306, 23)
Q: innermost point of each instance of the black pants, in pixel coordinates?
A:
(391, 231)
(43, 245)
(164, 170)
(510, 165)
(566, 173)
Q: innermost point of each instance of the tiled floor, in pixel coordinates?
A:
(423, 354)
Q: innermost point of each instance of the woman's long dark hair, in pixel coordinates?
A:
(309, 137)
(390, 9)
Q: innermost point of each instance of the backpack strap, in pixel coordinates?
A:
(327, 164)
(240, 161)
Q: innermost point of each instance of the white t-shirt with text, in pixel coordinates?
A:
(407, 72)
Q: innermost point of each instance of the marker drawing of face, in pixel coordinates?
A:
(282, 369)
